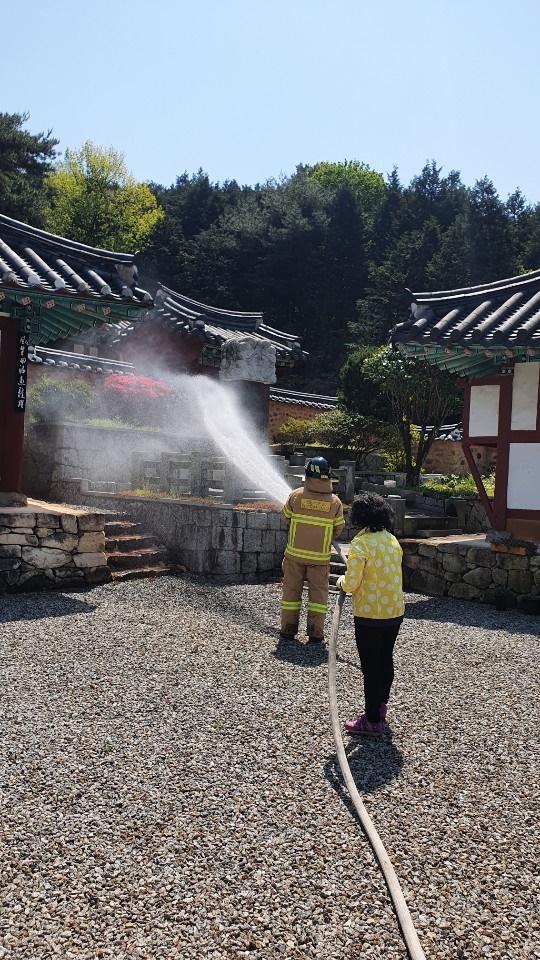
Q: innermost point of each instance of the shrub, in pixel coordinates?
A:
(456, 485)
(137, 400)
(52, 398)
(294, 431)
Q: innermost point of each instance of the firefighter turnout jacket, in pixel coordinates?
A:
(314, 516)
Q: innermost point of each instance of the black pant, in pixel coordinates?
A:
(375, 648)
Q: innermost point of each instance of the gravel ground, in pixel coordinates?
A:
(169, 785)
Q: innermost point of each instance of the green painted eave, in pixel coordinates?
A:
(473, 361)
(52, 316)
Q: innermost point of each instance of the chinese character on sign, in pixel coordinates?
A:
(22, 358)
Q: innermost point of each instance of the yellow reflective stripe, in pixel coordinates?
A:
(291, 604)
(314, 521)
(338, 520)
(307, 554)
(317, 607)
(286, 512)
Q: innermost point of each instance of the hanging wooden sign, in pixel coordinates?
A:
(22, 360)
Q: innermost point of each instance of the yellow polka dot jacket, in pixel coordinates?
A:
(374, 576)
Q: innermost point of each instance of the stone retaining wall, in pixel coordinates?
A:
(470, 569)
(232, 544)
(468, 511)
(44, 551)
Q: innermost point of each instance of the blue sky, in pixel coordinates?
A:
(248, 89)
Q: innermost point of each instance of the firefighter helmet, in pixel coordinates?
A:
(318, 468)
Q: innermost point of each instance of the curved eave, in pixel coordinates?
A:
(54, 316)
(475, 361)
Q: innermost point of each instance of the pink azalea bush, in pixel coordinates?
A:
(138, 400)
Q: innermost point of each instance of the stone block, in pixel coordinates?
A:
(430, 566)
(252, 541)
(91, 543)
(422, 582)
(69, 571)
(535, 563)
(97, 575)
(15, 538)
(60, 541)
(227, 562)
(32, 582)
(268, 541)
(499, 577)
(227, 538)
(537, 578)
(451, 577)
(464, 591)
(42, 532)
(427, 549)
(510, 562)
(256, 520)
(9, 563)
(409, 546)
(248, 563)
(91, 521)
(481, 558)
(453, 563)
(411, 560)
(239, 518)
(68, 522)
(275, 521)
(224, 518)
(90, 560)
(269, 561)
(520, 581)
(17, 520)
(480, 577)
(45, 558)
(10, 550)
(47, 520)
(448, 548)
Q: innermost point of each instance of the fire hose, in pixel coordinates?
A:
(404, 918)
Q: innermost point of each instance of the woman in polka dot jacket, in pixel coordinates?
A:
(374, 579)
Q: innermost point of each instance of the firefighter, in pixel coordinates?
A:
(314, 516)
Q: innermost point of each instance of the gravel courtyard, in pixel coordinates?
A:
(169, 786)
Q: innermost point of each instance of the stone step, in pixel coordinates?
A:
(120, 527)
(139, 573)
(444, 532)
(135, 559)
(124, 543)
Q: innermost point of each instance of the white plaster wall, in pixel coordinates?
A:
(524, 477)
(525, 396)
(484, 412)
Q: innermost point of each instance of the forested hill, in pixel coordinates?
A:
(326, 253)
(329, 252)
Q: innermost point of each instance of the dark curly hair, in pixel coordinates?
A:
(372, 511)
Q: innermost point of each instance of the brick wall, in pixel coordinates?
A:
(281, 412)
(446, 456)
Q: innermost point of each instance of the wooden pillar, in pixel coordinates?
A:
(11, 419)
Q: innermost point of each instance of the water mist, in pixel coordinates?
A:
(212, 407)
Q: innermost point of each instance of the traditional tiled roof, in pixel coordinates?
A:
(63, 286)
(475, 330)
(189, 318)
(303, 399)
(65, 359)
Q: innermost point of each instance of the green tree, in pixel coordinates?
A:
(367, 185)
(407, 393)
(25, 159)
(351, 432)
(95, 200)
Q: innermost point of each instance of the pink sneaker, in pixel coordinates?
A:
(383, 710)
(363, 726)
